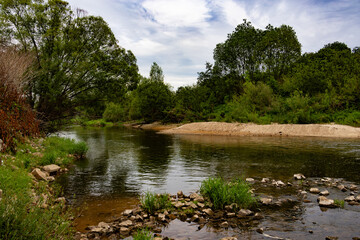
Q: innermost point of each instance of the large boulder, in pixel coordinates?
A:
(39, 175)
(52, 168)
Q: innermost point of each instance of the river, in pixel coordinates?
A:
(122, 163)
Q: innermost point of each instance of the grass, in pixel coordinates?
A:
(222, 193)
(20, 218)
(143, 234)
(339, 203)
(21, 215)
(152, 202)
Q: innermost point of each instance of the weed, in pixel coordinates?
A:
(143, 234)
(339, 203)
(221, 193)
(152, 202)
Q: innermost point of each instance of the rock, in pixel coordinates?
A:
(126, 223)
(331, 238)
(194, 196)
(1, 192)
(224, 224)
(179, 204)
(127, 212)
(139, 218)
(193, 205)
(265, 201)
(314, 190)
(104, 225)
(60, 200)
(353, 203)
(218, 214)
(260, 230)
(200, 205)
(265, 180)
(324, 202)
(350, 199)
(172, 216)
(342, 188)
(229, 238)
(258, 216)
(278, 183)
(96, 230)
(52, 168)
(353, 187)
(244, 213)
(230, 215)
(326, 179)
(124, 231)
(50, 178)
(299, 176)
(303, 192)
(250, 180)
(358, 198)
(195, 218)
(324, 193)
(180, 194)
(162, 217)
(208, 211)
(39, 175)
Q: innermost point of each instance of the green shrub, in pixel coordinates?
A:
(222, 193)
(152, 202)
(114, 113)
(339, 203)
(143, 234)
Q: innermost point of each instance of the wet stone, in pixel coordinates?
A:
(208, 211)
(350, 199)
(324, 193)
(314, 190)
(127, 212)
(200, 205)
(324, 202)
(230, 215)
(353, 187)
(124, 230)
(258, 216)
(126, 223)
(353, 203)
(342, 188)
(265, 180)
(299, 176)
(244, 213)
(195, 218)
(224, 224)
(331, 238)
(250, 180)
(265, 201)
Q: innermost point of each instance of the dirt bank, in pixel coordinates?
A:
(156, 126)
(250, 129)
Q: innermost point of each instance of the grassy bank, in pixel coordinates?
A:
(31, 209)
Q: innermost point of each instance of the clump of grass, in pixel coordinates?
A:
(143, 234)
(97, 123)
(20, 219)
(152, 202)
(339, 203)
(222, 193)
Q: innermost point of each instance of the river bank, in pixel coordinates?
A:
(250, 129)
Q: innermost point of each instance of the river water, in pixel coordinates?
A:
(122, 163)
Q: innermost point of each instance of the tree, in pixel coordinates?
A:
(156, 73)
(78, 59)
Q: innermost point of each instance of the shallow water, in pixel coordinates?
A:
(122, 163)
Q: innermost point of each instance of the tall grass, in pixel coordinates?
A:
(222, 193)
(152, 202)
(143, 234)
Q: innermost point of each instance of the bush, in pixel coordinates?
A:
(152, 202)
(221, 193)
(115, 113)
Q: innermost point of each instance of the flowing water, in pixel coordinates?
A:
(122, 163)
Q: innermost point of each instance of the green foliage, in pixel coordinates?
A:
(143, 234)
(78, 59)
(222, 193)
(20, 219)
(339, 203)
(152, 202)
(156, 73)
(114, 113)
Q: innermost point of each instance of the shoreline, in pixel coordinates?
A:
(251, 129)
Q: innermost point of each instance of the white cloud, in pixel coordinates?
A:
(180, 13)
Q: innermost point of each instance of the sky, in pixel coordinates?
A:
(180, 35)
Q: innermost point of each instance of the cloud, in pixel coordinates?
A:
(180, 35)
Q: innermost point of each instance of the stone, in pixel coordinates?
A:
(104, 225)
(331, 238)
(244, 213)
(350, 199)
(324, 193)
(126, 223)
(172, 216)
(303, 192)
(250, 180)
(258, 216)
(39, 175)
(200, 205)
(224, 224)
(260, 230)
(194, 196)
(342, 188)
(353, 203)
(124, 231)
(52, 168)
(265, 201)
(96, 230)
(325, 202)
(180, 194)
(127, 212)
(195, 218)
(314, 190)
(139, 218)
(265, 180)
(299, 176)
(60, 200)
(353, 187)
(162, 217)
(230, 215)
(229, 238)
(179, 204)
(208, 211)
(193, 205)
(358, 198)
(50, 179)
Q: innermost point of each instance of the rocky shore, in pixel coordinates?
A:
(197, 209)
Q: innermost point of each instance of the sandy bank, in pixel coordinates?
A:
(250, 129)
(156, 126)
